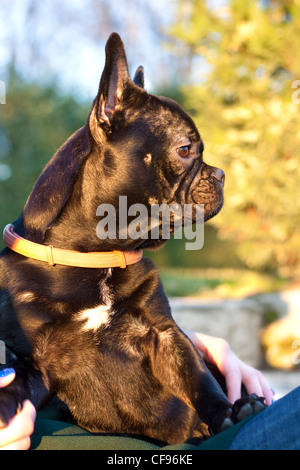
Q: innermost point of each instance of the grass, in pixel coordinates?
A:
(217, 283)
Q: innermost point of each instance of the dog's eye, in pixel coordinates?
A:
(184, 151)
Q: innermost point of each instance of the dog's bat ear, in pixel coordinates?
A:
(139, 77)
(54, 187)
(114, 78)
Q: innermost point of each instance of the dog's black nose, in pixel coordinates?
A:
(219, 175)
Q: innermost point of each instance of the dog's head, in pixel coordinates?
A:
(136, 145)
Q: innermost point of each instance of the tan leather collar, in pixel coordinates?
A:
(53, 256)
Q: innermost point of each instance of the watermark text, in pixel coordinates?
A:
(296, 94)
(296, 354)
(155, 222)
(2, 92)
(2, 353)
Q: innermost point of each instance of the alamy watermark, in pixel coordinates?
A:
(296, 94)
(2, 353)
(296, 354)
(2, 92)
(156, 222)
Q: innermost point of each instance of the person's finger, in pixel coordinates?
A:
(6, 377)
(233, 384)
(21, 426)
(253, 385)
(267, 392)
(255, 382)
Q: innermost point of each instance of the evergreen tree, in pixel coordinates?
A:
(34, 122)
(248, 113)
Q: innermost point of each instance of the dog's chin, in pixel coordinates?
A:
(210, 212)
(153, 245)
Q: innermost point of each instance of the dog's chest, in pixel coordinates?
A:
(100, 315)
(95, 318)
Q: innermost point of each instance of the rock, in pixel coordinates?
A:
(281, 339)
(239, 321)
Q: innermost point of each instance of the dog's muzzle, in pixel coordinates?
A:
(218, 175)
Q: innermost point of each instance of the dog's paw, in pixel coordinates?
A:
(8, 407)
(249, 405)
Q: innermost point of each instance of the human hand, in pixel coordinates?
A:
(16, 436)
(236, 373)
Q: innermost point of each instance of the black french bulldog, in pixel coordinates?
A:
(101, 343)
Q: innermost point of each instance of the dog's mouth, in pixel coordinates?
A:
(211, 200)
(204, 186)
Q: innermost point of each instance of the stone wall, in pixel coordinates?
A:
(242, 322)
(237, 321)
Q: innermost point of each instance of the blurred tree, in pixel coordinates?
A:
(34, 122)
(248, 53)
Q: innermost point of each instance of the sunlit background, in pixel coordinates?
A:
(234, 66)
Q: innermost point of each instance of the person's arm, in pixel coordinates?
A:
(235, 371)
(16, 436)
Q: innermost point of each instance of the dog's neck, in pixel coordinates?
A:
(54, 256)
(76, 227)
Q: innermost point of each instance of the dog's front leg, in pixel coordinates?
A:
(27, 384)
(180, 368)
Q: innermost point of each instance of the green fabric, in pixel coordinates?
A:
(53, 434)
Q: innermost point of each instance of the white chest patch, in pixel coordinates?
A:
(95, 317)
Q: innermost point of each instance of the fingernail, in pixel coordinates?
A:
(6, 372)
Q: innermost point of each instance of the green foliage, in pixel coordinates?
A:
(248, 120)
(34, 122)
(220, 283)
(182, 283)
